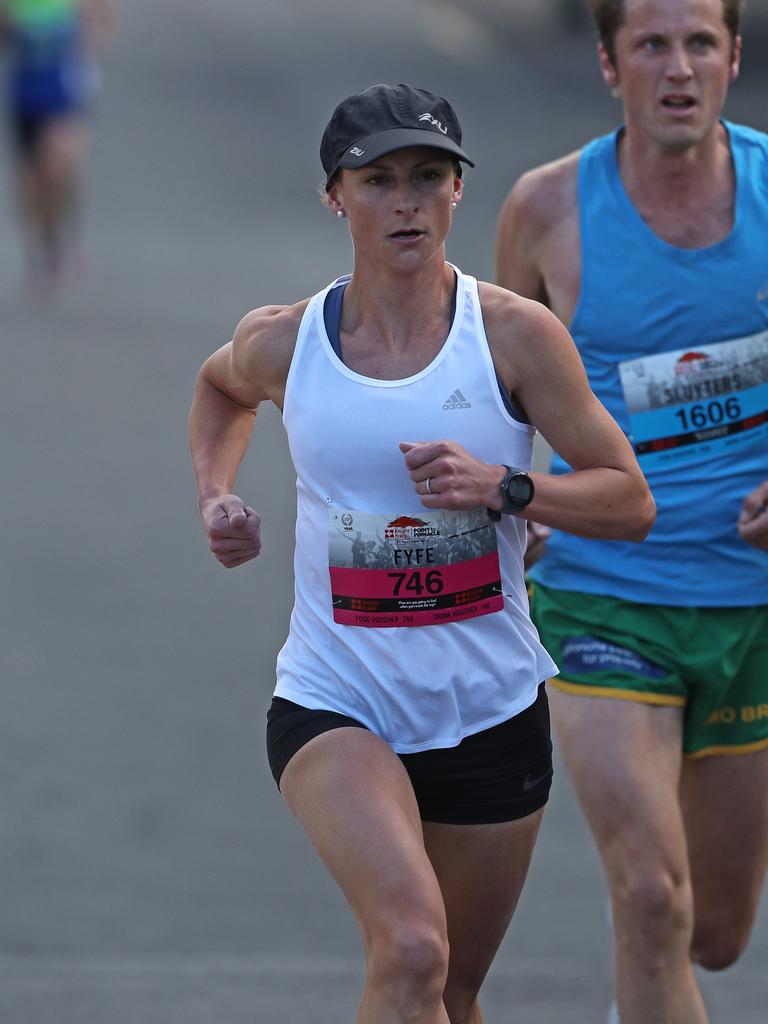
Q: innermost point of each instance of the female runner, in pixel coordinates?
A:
(409, 732)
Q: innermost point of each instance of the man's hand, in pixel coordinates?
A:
(234, 530)
(445, 475)
(753, 521)
(537, 543)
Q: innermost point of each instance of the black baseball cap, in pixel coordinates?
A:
(384, 118)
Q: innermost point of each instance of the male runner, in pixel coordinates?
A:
(651, 244)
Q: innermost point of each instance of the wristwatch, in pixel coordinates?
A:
(517, 492)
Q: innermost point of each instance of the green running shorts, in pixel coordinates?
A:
(711, 662)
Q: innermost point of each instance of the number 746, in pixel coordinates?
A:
(412, 581)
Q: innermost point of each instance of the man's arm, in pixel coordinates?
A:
(517, 266)
(538, 220)
(537, 256)
(250, 369)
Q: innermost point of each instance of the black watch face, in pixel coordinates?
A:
(519, 489)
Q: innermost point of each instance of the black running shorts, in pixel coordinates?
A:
(500, 774)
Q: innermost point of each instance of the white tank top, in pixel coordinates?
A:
(411, 620)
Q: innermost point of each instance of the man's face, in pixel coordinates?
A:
(674, 62)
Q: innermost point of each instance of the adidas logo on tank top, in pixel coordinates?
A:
(456, 401)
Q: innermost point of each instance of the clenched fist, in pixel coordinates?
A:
(753, 521)
(234, 530)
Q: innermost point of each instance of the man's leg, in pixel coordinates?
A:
(624, 760)
(725, 809)
(355, 801)
(481, 870)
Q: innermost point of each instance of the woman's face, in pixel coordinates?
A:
(399, 207)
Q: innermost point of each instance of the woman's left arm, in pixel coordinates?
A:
(606, 495)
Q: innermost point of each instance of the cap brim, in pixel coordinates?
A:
(366, 150)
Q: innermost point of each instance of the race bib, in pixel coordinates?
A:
(409, 570)
(693, 403)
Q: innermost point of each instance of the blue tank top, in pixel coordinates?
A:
(675, 344)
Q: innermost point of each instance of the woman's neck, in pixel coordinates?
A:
(395, 308)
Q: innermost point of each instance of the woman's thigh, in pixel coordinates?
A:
(353, 797)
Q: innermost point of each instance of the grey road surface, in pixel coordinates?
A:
(148, 869)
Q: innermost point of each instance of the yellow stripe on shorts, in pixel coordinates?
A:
(659, 699)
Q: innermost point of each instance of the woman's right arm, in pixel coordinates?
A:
(231, 384)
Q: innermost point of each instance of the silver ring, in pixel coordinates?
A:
(429, 485)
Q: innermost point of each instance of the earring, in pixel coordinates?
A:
(616, 92)
(339, 213)
(454, 205)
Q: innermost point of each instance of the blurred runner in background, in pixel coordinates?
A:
(52, 79)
